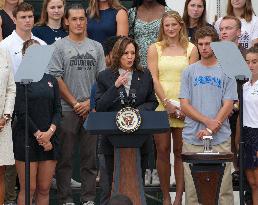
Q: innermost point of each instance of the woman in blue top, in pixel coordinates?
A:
(106, 18)
(50, 27)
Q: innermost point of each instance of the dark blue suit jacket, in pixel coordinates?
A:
(107, 95)
(107, 99)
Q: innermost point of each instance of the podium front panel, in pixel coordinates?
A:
(104, 123)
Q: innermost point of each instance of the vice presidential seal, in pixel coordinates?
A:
(128, 119)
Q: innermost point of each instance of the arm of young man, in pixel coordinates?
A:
(225, 110)
(221, 116)
(66, 93)
(80, 108)
(190, 111)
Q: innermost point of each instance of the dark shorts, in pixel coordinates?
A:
(36, 151)
(250, 139)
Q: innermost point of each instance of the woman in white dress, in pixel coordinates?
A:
(7, 99)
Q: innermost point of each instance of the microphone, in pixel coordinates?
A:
(133, 97)
(122, 98)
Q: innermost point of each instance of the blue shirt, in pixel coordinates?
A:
(48, 34)
(99, 29)
(206, 88)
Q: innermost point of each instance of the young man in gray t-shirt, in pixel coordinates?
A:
(206, 98)
(76, 62)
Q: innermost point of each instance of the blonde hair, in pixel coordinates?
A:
(3, 1)
(2, 4)
(183, 37)
(93, 8)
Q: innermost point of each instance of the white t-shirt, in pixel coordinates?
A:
(249, 31)
(250, 104)
(13, 44)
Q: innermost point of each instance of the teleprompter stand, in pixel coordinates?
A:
(32, 67)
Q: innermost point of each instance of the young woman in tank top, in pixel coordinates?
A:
(166, 60)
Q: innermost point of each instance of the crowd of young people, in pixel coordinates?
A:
(182, 76)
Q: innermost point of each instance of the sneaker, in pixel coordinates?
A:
(75, 184)
(88, 203)
(147, 177)
(155, 178)
(98, 177)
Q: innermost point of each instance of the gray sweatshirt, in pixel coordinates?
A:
(78, 63)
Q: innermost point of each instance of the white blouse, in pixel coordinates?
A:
(250, 104)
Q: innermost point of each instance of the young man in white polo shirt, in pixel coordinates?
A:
(24, 20)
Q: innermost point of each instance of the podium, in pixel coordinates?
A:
(127, 158)
(207, 171)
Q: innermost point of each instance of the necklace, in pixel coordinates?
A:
(54, 29)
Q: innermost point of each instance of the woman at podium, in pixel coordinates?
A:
(44, 115)
(124, 77)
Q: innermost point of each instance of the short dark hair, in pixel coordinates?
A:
(118, 52)
(73, 7)
(23, 6)
(206, 31)
(27, 44)
(253, 49)
(120, 199)
(109, 44)
(228, 17)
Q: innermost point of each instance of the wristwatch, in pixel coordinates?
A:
(7, 117)
(235, 107)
